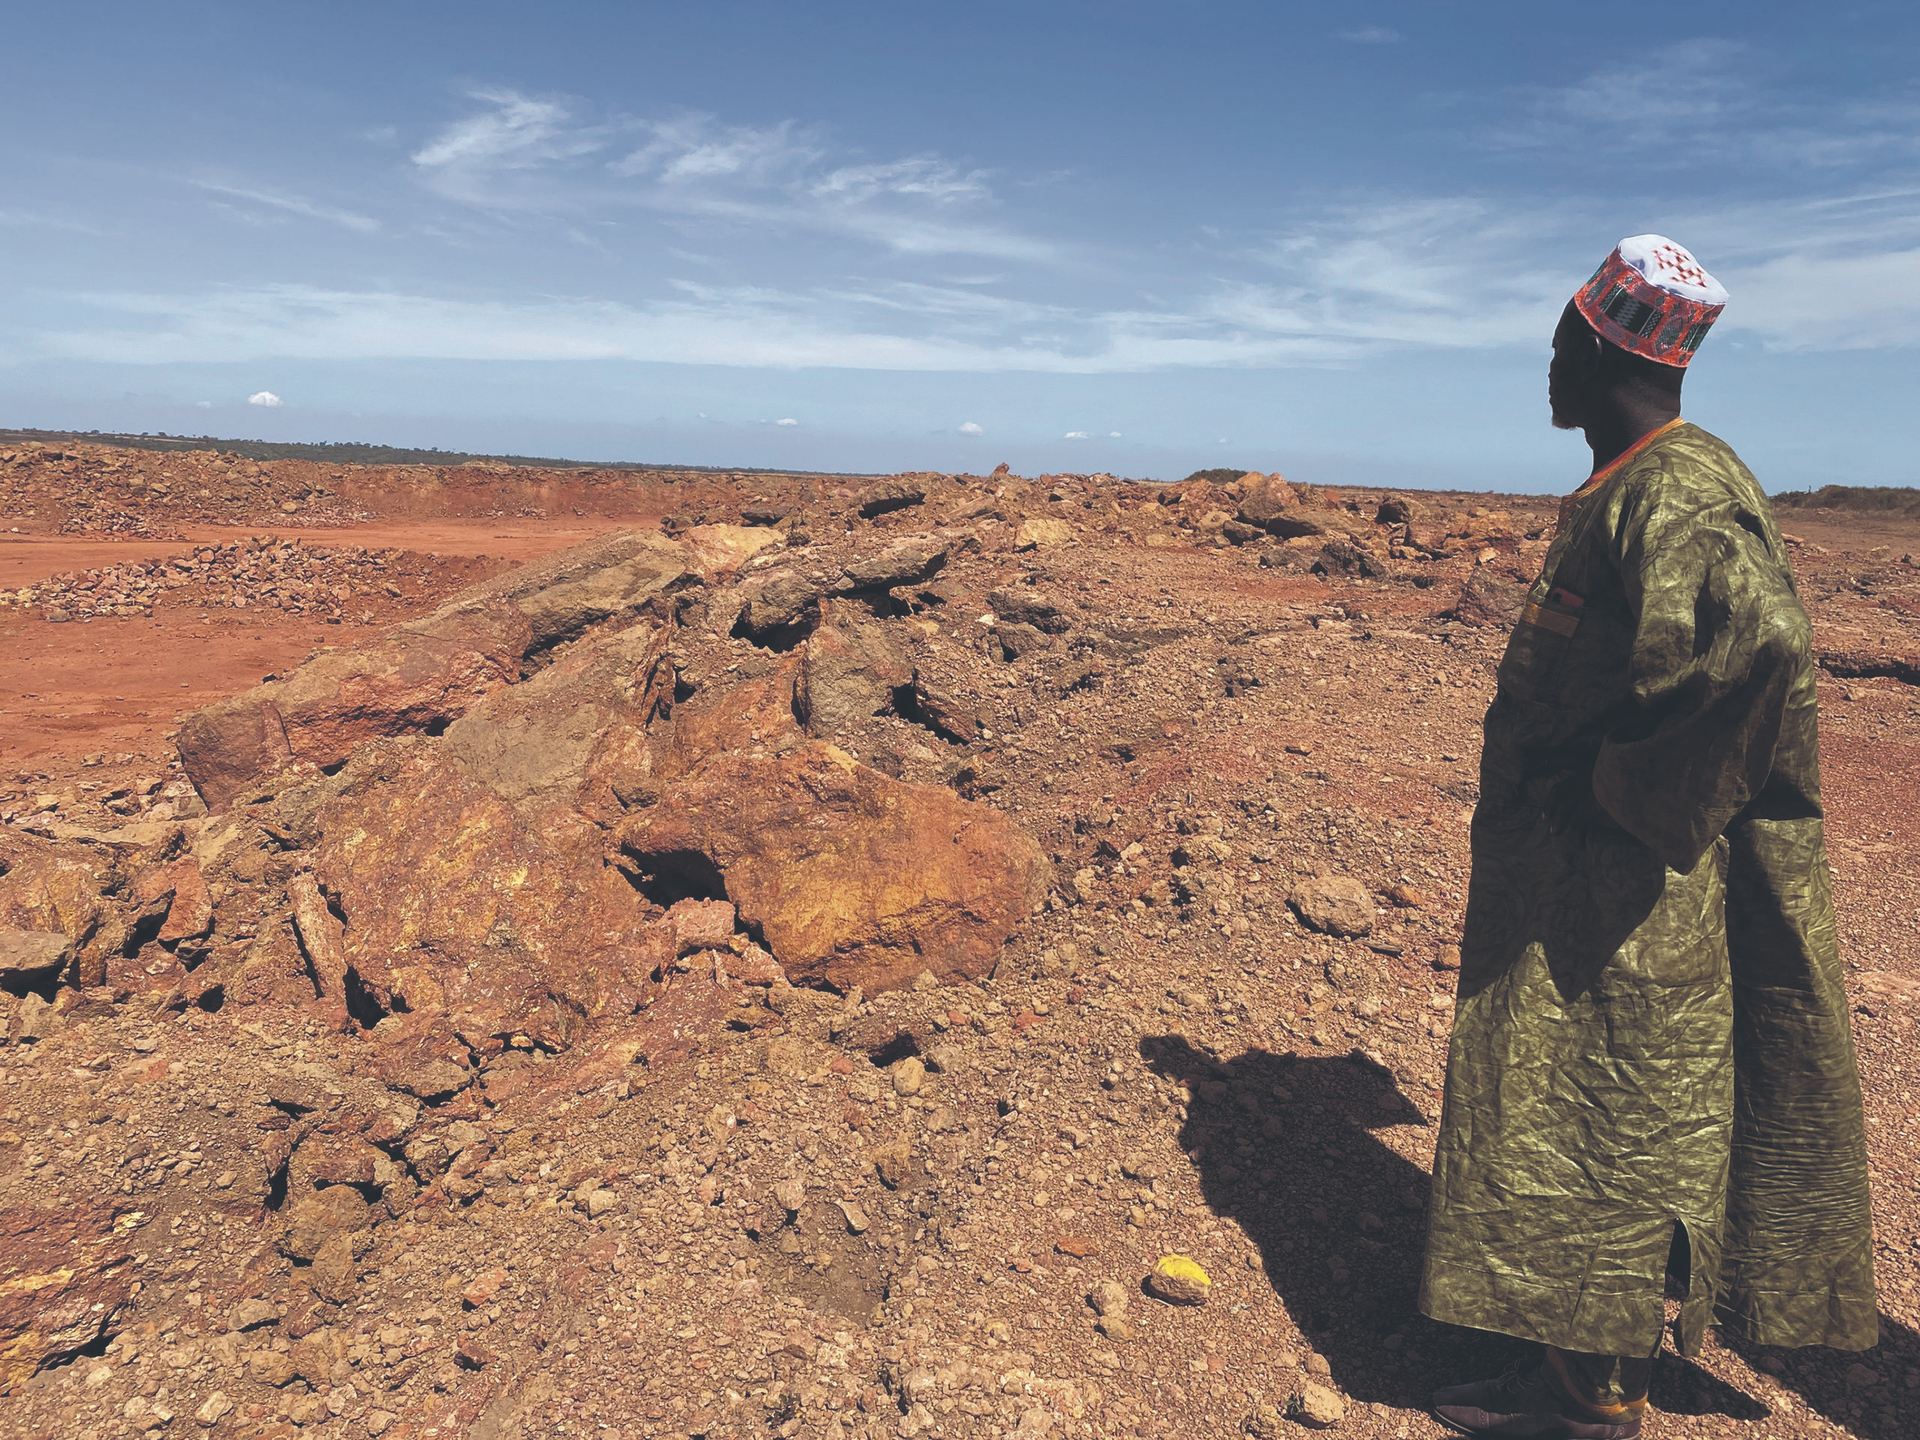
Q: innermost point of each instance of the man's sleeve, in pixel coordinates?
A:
(1719, 639)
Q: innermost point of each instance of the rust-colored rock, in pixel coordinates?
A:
(464, 912)
(337, 1212)
(1333, 905)
(320, 940)
(28, 957)
(849, 671)
(1489, 598)
(905, 562)
(611, 580)
(61, 888)
(896, 492)
(1264, 498)
(715, 550)
(64, 1278)
(532, 743)
(471, 872)
(190, 907)
(425, 675)
(852, 877)
(421, 677)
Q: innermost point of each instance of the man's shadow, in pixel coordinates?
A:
(1285, 1147)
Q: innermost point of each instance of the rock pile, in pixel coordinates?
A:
(258, 573)
(102, 489)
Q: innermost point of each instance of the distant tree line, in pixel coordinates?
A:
(1873, 499)
(354, 453)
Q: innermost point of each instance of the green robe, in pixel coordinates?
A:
(1651, 1026)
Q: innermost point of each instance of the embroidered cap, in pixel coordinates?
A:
(1650, 296)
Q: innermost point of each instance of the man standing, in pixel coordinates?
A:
(1651, 1055)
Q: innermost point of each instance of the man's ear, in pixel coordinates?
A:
(1593, 355)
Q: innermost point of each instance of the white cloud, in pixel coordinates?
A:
(1076, 435)
(786, 422)
(294, 204)
(1666, 106)
(536, 156)
(1708, 104)
(1113, 434)
(696, 147)
(517, 131)
(1369, 35)
(923, 175)
(266, 398)
(203, 404)
(971, 429)
(1338, 286)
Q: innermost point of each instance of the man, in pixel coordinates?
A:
(1651, 1058)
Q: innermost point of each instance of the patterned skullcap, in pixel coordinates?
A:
(1650, 296)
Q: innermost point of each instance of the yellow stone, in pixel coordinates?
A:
(1179, 1281)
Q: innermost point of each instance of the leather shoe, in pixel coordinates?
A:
(1526, 1404)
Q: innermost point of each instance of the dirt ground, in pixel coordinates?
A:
(117, 685)
(1137, 1078)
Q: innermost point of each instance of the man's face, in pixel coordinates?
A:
(1576, 354)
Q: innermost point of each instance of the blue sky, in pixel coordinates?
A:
(1141, 238)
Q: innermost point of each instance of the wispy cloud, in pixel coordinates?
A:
(1369, 35)
(1660, 107)
(703, 325)
(1336, 286)
(515, 133)
(293, 204)
(696, 147)
(1708, 104)
(522, 155)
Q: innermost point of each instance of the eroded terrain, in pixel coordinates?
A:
(446, 1079)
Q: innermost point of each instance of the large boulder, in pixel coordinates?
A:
(471, 872)
(852, 878)
(896, 492)
(66, 1278)
(615, 578)
(423, 676)
(1489, 598)
(532, 743)
(716, 550)
(28, 957)
(905, 562)
(64, 888)
(419, 678)
(1278, 508)
(849, 672)
(778, 608)
(1265, 498)
(463, 914)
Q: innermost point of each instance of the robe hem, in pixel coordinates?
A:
(1794, 1320)
(1508, 1314)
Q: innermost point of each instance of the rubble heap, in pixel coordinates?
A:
(260, 572)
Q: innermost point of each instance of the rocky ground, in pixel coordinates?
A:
(412, 1052)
